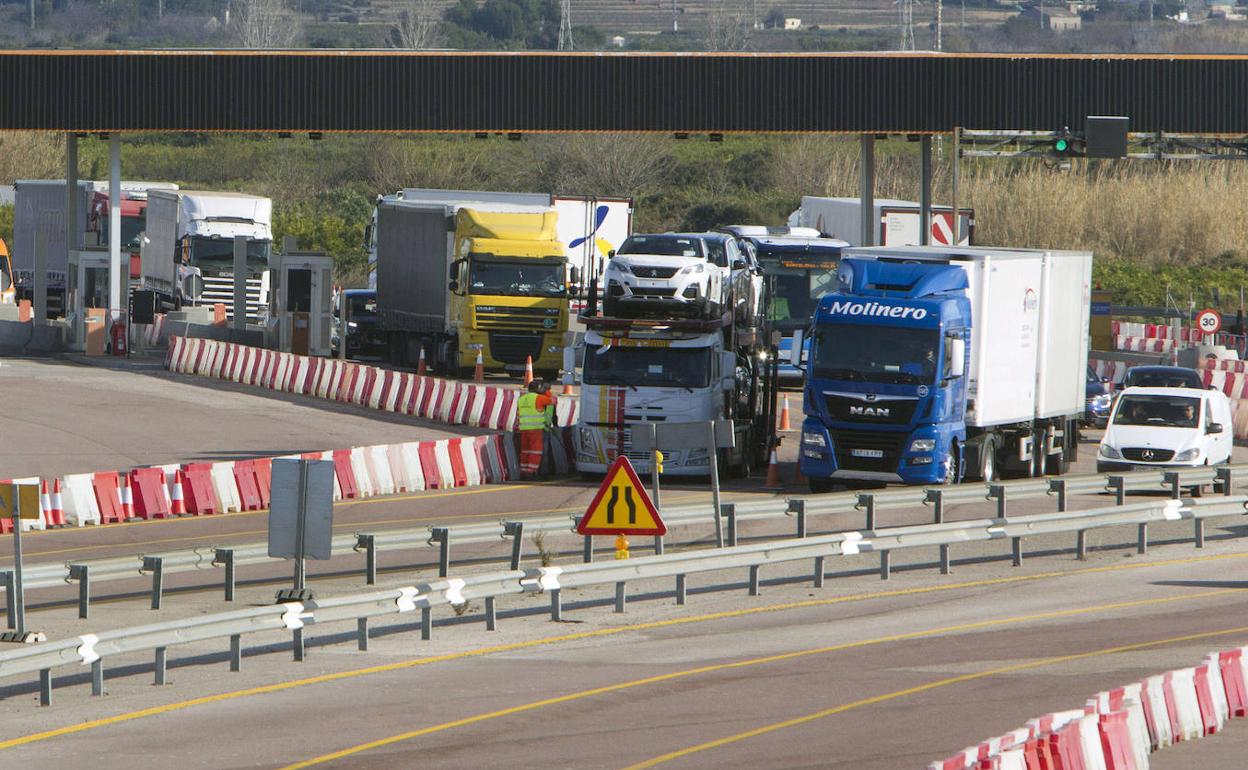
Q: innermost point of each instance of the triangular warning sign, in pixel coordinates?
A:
(621, 506)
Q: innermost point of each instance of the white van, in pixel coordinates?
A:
(1166, 427)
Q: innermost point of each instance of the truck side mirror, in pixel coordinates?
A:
(453, 285)
(575, 275)
(368, 236)
(957, 357)
(795, 349)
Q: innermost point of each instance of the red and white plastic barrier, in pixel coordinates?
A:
(1120, 728)
(450, 401)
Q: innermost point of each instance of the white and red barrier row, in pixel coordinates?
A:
(1143, 344)
(1155, 331)
(151, 334)
(450, 401)
(1119, 729)
(114, 497)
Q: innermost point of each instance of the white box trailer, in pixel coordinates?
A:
(898, 221)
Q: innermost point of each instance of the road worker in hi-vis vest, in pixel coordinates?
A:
(537, 414)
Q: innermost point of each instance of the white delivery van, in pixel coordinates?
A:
(1167, 427)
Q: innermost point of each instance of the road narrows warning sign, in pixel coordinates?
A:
(621, 506)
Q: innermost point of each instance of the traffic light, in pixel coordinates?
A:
(1066, 145)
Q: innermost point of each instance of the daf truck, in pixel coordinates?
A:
(187, 254)
(929, 365)
(455, 280)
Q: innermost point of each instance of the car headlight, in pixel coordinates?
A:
(693, 269)
(923, 445)
(1109, 453)
(619, 267)
(1102, 401)
(814, 439)
(1187, 455)
(352, 325)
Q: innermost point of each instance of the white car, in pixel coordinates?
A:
(668, 274)
(1167, 427)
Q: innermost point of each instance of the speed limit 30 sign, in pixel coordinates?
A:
(1209, 321)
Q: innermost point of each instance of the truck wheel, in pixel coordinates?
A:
(953, 466)
(1039, 457)
(987, 470)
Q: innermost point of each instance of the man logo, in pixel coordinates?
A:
(869, 411)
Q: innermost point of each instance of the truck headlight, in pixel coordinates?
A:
(587, 436)
(352, 325)
(1187, 455)
(814, 439)
(693, 269)
(923, 445)
(1109, 453)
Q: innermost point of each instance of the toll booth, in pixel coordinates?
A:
(301, 302)
(87, 289)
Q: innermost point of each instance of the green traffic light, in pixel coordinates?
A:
(1061, 145)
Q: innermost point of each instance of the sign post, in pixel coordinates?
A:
(19, 501)
(622, 508)
(301, 522)
(711, 435)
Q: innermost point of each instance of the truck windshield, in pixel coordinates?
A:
(1158, 411)
(131, 229)
(216, 255)
(538, 279)
(662, 367)
(875, 354)
(795, 295)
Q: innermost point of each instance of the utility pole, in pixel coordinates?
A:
(565, 26)
(675, 23)
(940, 5)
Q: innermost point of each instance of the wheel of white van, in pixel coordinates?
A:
(988, 461)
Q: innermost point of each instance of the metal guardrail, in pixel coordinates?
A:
(230, 557)
(457, 592)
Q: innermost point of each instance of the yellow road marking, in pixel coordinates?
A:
(908, 636)
(596, 633)
(924, 688)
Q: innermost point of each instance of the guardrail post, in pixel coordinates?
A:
(997, 491)
(236, 652)
(160, 665)
(556, 606)
(1200, 533)
(82, 573)
(1017, 547)
(442, 536)
(9, 592)
(658, 545)
(361, 634)
(682, 584)
(1119, 485)
(729, 511)
(225, 557)
(753, 580)
(1224, 476)
(886, 564)
(1059, 486)
(156, 565)
(426, 623)
(867, 501)
(1172, 478)
(297, 644)
(1142, 545)
(1081, 545)
(368, 542)
(588, 555)
(619, 596)
(45, 687)
(937, 498)
(819, 562)
(797, 507)
(515, 530)
(491, 617)
(97, 676)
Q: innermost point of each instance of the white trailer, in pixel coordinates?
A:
(898, 221)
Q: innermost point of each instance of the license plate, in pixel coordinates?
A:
(872, 453)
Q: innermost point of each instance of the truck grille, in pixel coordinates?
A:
(220, 289)
(1148, 454)
(515, 348)
(888, 445)
(874, 412)
(519, 318)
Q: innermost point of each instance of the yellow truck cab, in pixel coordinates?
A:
(8, 294)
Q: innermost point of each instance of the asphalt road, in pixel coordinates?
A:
(860, 673)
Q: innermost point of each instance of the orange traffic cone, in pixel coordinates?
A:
(773, 473)
(177, 498)
(785, 423)
(528, 370)
(420, 365)
(57, 518)
(127, 498)
(567, 385)
(478, 372)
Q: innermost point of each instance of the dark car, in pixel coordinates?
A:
(1162, 377)
(1099, 401)
(361, 312)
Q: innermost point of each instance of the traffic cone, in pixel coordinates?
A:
(45, 503)
(478, 371)
(177, 498)
(528, 370)
(127, 498)
(773, 473)
(58, 507)
(567, 384)
(420, 365)
(785, 423)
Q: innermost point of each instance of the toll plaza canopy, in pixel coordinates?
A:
(202, 90)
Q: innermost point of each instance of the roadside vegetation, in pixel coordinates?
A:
(1157, 228)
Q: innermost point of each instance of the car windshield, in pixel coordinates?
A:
(875, 354)
(662, 245)
(1164, 378)
(609, 364)
(1158, 411)
(216, 255)
(533, 279)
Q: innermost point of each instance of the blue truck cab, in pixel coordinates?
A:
(928, 365)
